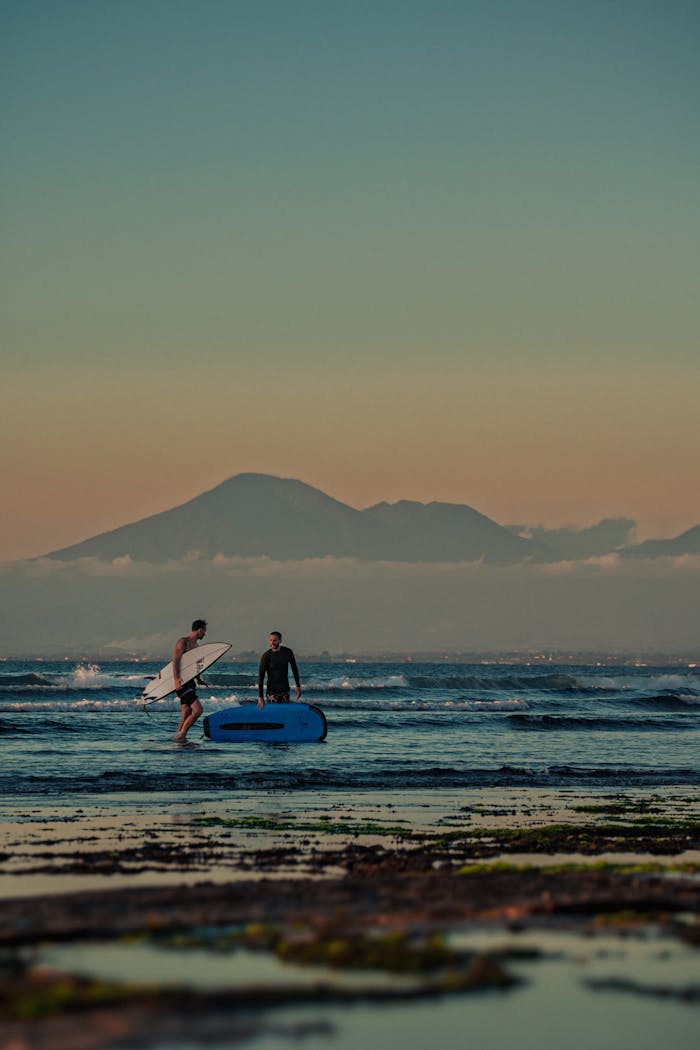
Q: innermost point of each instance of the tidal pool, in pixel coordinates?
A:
(632, 991)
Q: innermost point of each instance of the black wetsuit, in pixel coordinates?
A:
(275, 664)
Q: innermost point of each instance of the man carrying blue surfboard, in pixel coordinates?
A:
(190, 707)
(275, 663)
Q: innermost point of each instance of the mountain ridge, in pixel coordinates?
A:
(251, 515)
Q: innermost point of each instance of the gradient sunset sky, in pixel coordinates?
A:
(397, 250)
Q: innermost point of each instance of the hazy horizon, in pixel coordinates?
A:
(341, 603)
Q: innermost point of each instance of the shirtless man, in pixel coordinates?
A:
(190, 706)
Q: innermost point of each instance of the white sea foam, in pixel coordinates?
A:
(62, 706)
(91, 676)
(393, 681)
(663, 683)
(505, 704)
(512, 704)
(677, 682)
(221, 701)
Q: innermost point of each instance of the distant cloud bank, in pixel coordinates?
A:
(235, 565)
(345, 604)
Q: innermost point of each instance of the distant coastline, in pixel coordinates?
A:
(587, 658)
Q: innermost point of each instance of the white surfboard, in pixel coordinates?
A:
(192, 664)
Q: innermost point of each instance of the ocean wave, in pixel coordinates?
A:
(22, 681)
(334, 687)
(447, 707)
(80, 678)
(10, 727)
(550, 682)
(65, 705)
(563, 723)
(383, 720)
(638, 683)
(345, 684)
(388, 778)
(369, 706)
(59, 693)
(666, 702)
(91, 676)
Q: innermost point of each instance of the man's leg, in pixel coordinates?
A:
(194, 712)
(185, 715)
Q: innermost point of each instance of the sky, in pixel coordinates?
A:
(443, 250)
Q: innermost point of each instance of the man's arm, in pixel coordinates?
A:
(261, 679)
(295, 672)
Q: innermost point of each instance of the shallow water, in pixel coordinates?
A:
(68, 730)
(554, 1006)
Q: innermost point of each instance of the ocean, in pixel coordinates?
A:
(71, 731)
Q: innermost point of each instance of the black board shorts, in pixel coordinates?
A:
(188, 694)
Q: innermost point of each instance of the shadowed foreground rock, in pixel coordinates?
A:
(390, 899)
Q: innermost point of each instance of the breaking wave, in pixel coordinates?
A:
(387, 778)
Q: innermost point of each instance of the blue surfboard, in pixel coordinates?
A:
(277, 723)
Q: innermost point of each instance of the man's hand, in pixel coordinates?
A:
(298, 692)
(261, 703)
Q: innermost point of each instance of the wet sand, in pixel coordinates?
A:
(110, 844)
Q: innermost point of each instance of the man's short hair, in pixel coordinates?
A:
(198, 624)
(278, 633)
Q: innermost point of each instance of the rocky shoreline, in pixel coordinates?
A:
(344, 891)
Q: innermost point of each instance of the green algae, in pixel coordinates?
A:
(33, 994)
(557, 838)
(37, 995)
(624, 917)
(614, 809)
(41, 997)
(689, 824)
(254, 936)
(647, 868)
(323, 824)
(615, 805)
(393, 952)
(497, 867)
(397, 952)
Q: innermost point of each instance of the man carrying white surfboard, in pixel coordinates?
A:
(190, 707)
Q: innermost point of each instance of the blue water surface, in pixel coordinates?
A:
(68, 730)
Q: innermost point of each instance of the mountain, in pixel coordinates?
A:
(572, 544)
(248, 515)
(257, 514)
(687, 543)
(446, 532)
